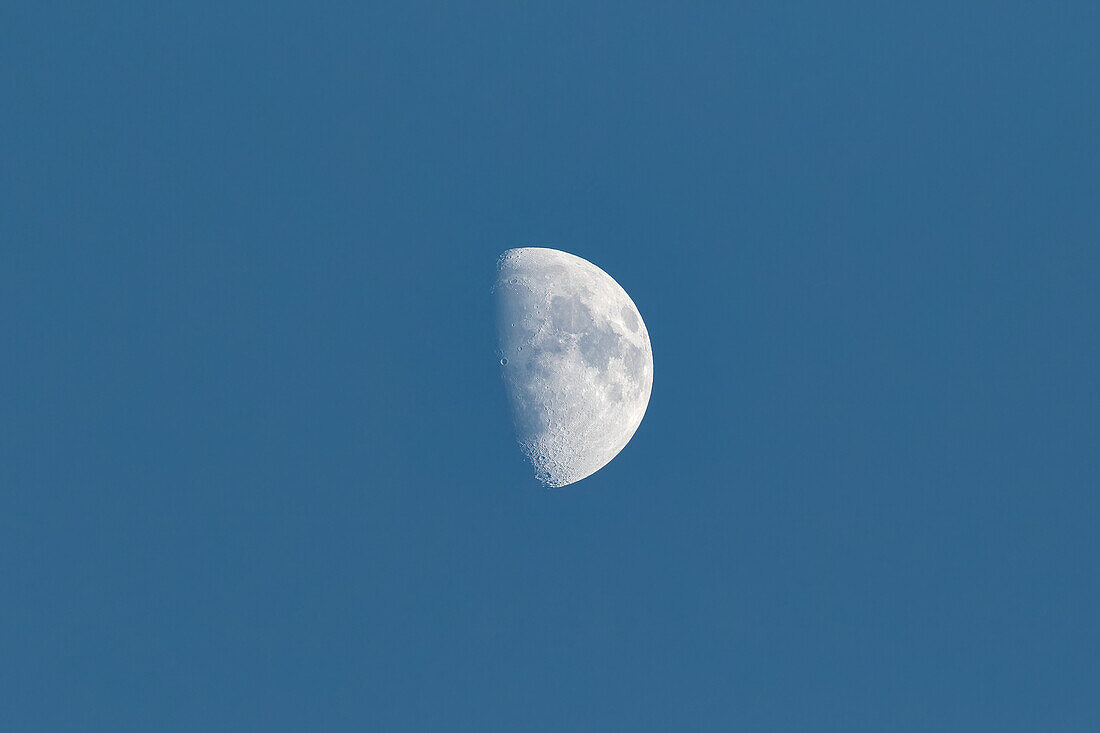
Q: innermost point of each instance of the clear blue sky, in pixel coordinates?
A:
(256, 469)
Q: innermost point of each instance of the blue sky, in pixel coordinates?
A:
(256, 467)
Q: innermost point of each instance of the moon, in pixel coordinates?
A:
(576, 361)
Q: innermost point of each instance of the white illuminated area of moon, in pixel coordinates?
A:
(576, 361)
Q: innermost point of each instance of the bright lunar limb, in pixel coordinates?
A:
(576, 361)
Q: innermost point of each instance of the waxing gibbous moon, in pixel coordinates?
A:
(576, 361)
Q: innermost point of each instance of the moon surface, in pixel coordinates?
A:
(576, 361)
